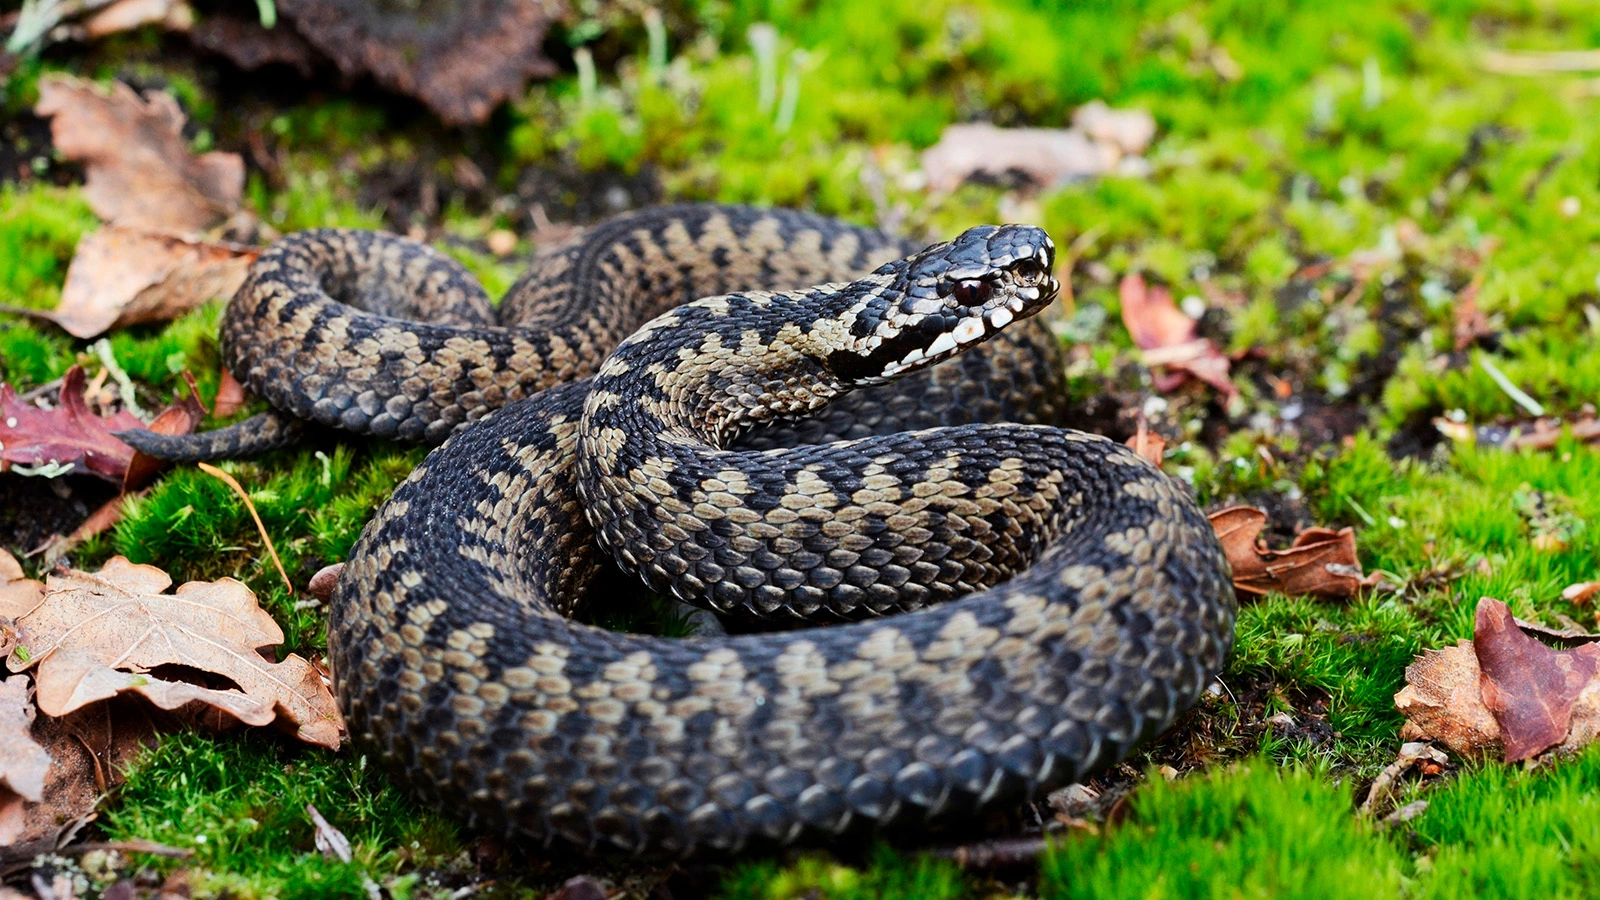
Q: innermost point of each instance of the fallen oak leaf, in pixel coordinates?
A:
(19, 595)
(1168, 339)
(24, 763)
(71, 680)
(89, 751)
(120, 618)
(123, 275)
(137, 166)
(1321, 562)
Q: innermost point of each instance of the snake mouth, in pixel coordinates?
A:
(949, 298)
(1015, 294)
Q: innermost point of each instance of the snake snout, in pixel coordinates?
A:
(962, 293)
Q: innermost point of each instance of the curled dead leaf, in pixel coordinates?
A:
(1147, 443)
(23, 762)
(1321, 562)
(101, 634)
(18, 593)
(122, 275)
(1168, 338)
(1045, 156)
(71, 438)
(1503, 691)
(1529, 687)
(138, 170)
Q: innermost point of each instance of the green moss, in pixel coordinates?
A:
(312, 503)
(39, 227)
(238, 800)
(1330, 178)
(889, 877)
(1254, 831)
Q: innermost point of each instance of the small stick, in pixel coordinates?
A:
(232, 482)
(995, 854)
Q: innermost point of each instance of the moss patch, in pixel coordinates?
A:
(1329, 184)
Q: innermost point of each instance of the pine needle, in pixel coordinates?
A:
(232, 482)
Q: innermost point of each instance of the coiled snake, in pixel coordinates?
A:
(1088, 601)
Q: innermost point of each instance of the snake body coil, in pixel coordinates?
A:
(1062, 598)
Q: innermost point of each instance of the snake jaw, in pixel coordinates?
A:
(951, 297)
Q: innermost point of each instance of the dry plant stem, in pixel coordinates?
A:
(232, 482)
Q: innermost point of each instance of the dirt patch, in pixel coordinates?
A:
(32, 510)
(26, 153)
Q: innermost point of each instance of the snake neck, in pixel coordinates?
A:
(717, 368)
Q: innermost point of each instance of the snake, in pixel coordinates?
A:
(768, 413)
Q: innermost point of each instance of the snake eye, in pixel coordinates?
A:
(973, 292)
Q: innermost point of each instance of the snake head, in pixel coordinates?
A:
(948, 298)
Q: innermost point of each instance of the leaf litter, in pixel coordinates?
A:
(148, 264)
(1170, 340)
(70, 438)
(1505, 691)
(98, 635)
(1321, 562)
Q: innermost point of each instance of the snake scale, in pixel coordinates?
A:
(1057, 598)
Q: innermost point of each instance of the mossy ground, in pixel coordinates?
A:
(1291, 135)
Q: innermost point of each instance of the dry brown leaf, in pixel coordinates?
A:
(18, 594)
(1441, 702)
(460, 57)
(1046, 156)
(230, 395)
(1321, 562)
(1167, 337)
(23, 763)
(126, 15)
(1503, 691)
(137, 165)
(1582, 592)
(88, 751)
(119, 618)
(1148, 444)
(123, 275)
(1529, 687)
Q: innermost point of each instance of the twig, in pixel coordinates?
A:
(995, 854)
(232, 482)
(1549, 63)
(131, 846)
(102, 349)
(1515, 393)
(35, 393)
